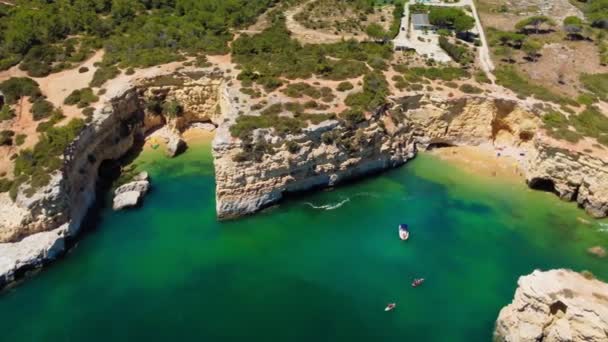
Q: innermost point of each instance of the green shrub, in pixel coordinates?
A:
(298, 90)
(481, 77)
(5, 185)
(6, 137)
(510, 78)
(373, 95)
(56, 117)
(20, 139)
(352, 117)
(292, 146)
(81, 98)
(34, 166)
(591, 122)
(42, 109)
(6, 113)
(417, 74)
(103, 74)
(470, 89)
(586, 99)
(459, 53)
(173, 108)
(82, 70)
(345, 86)
(597, 84)
(17, 87)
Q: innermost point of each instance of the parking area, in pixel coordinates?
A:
(414, 35)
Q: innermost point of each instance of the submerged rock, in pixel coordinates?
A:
(554, 306)
(130, 195)
(598, 251)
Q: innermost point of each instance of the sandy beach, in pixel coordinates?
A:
(481, 162)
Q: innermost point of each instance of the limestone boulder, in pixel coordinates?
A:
(130, 195)
(555, 306)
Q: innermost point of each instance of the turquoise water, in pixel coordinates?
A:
(170, 271)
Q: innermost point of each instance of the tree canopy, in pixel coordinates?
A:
(134, 32)
(452, 18)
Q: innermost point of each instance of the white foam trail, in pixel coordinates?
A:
(330, 206)
(603, 227)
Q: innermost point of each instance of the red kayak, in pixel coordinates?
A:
(417, 282)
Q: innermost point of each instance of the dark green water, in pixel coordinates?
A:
(169, 271)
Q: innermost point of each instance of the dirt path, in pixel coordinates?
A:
(484, 52)
(309, 36)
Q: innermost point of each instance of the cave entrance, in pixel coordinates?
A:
(543, 184)
(437, 145)
(558, 306)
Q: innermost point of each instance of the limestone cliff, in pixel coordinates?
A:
(389, 137)
(555, 306)
(35, 228)
(321, 155)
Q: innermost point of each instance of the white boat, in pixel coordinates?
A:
(390, 307)
(404, 233)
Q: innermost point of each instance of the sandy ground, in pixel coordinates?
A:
(310, 36)
(196, 135)
(192, 136)
(480, 162)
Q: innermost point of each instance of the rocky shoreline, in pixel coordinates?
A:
(555, 306)
(36, 228)
(390, 137)
(322, 155)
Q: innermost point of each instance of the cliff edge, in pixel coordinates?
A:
(555, 306)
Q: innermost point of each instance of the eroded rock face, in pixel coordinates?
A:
(574, 176)
(389, 138)
(555, 306)
(34, 228)
(58, 209)
(246, 186)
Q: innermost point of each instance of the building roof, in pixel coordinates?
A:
(421, 19)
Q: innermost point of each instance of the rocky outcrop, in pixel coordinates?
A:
(597, 251)
(175, 146)
(37, 227)
(393, 135)
(322, 155)
(574, 176)
(335, 150)
(555, 306)
(33, 251)
(130, 194)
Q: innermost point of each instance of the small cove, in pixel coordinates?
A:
(321, 266)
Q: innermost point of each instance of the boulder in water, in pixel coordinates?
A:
(175, 146)
(598, 251)
(129, 195)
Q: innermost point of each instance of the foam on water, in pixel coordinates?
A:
(331, 206)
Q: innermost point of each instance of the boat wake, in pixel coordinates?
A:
(330, 206)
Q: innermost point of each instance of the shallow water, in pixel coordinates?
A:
(320, 267)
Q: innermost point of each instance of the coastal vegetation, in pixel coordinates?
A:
(273, 54)
(591, 123)
(81, 98)
(51, 36)
(510, 78)
(17, 87)
(35, 166)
